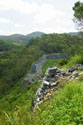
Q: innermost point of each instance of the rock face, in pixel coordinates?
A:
(52, 79)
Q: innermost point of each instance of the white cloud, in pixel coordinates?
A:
(19, 25)
(49, 19)
(41, 17)
(6, 32)
(18, 5)
(6, 21)
(47, 12)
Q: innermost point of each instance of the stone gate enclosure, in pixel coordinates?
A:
(36, 68)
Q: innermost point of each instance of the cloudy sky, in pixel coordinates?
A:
(25, 16)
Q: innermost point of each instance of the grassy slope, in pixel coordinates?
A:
(65, 106)
(16, 104)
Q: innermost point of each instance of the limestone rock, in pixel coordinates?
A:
(51, 79)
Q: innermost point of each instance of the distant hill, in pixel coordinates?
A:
(35, 34)
(21, 39)
(74, 33)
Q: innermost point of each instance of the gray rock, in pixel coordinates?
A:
(46, 83)
(75, 74)
(81, 73)
(79, 66)
(30, 78)
(52, 79)
(71, 69)
(54, 84)
(36, 68)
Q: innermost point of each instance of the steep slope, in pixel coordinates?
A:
(63, 107)
(16, 103)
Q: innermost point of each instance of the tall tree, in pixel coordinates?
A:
(78, 15)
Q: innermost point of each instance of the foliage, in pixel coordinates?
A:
(77, 59)
(64, 108)
(5, 46)
(16, 104)
(50, 63)
(63, 62)
(21, 39)
(81, 77)
(14, 64)
(16, 60)
(59, 43)
(78, 15)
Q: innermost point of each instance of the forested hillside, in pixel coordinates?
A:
(41, 75)
(21, 39)
(62, 43)
(15, 61)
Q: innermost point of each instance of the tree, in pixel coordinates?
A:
(78, 15)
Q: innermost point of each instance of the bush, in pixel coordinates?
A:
(81, 77)
(63, 62)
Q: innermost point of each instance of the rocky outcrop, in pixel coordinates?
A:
(52, 79)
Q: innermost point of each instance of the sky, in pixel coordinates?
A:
(26, 16)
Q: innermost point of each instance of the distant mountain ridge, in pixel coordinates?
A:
(21, 39)
(24, 39)
(74, 33)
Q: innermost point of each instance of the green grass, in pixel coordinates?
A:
(66, 63)
(16, 103)
(50, 63)
(63, 108)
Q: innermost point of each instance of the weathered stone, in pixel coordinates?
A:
(54, 84)
(52, 78)
(36, 69)
(71, 69)
(45, 83)
(81, 73)
(75, 74)
(30, 78)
